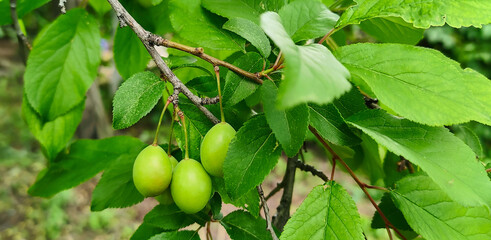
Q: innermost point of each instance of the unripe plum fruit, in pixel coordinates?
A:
(166, 197)
(215, 146)
(191, 186)
(152, 171)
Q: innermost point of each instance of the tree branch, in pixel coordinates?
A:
(21, 38)
(126, 19)
(283, 210)
(308, 168)
(266, 212)
(362, 185)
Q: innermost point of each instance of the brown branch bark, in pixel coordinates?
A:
(269, 227)
(126, 19)
(21, 38)
(308, 168)
(283, 210)
(362, 185)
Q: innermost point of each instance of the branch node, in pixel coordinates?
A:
(199, 50)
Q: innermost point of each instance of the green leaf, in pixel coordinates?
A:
(195, 25)
(422, 14)
(372, 162)
(312, 74)
(392, 30)
(242, 225)
(135, 98)
(307, 19)
(251, 155)
(251, 32)
(328, 212)
(329, 123)
(206, 85)
(83, 160)
(237, 88)
(249, 201)
(197, 125)
(434, 92)
(145, 231)
(392, 213)
(101, 7)
(350, 103)
(53, 135)
(130, 55)
(179, 235)
(170, 217)
(470, 138)
(289, 126)
(394, 170)
(23, 7)
(179, 61)
(116, 188)
(446, 159)
(248, 9)
(431, 213)
(63, 64)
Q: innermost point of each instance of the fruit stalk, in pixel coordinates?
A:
(217, 72)
(160, 122)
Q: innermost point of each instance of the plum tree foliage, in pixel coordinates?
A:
(288, 75)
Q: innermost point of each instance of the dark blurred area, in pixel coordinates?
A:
(67, 215)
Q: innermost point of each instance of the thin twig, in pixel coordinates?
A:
(269, 227)
(278, 187)
(283, 210)
(362, 185)
(308, 168)
(488, 170)
(21, 38)
(328, 34)
(145, 37)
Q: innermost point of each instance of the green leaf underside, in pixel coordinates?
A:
(350, 103)
(170, 217)
(63, 64)
(392, 30)
(242, 225)
(437, 92)
(23, 7)
(289, 126)
(328, 212)
(392, 213)
(116, 188)
(251, 32)
(237, 88)
(329, 123)
(249, 201)
(206, 85)
(83, 160)
(135, 98)
(179, 235)
(130, 56)
(307, 19)
(252, 154)
(248, 9)
(431, 213)
(446, 159)
(53, 135)
(312, 73)
(470, 138)
(422, 14)
(145, 231)
(195, 25)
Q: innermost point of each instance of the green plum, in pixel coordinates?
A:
(191, 186)
(152, 171)
(166, 197)
(215, 146)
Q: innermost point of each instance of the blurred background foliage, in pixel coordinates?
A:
(67, 215)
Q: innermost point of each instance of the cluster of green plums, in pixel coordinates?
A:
(186, 183)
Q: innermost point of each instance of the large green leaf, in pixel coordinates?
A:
(422, 14)
(312, 73)
(419, 83)
(329, 123)
(135, 98)
(237, 88)
(249, 201)
(130, 56)
(251, 32)
(307, 19)
(83, 160)
(392, 30)
(248, 9)
(446, 159)
(195, 25)
(393, 214)
(289, 126)
(178, 235)
(242, 225)
(470, 138)
(63, 64)
(116, 188)
(170, 217)
(145, 231)
(23, 7)
(431, 213)
(328, 212)
(53, 135)
(252, 154)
